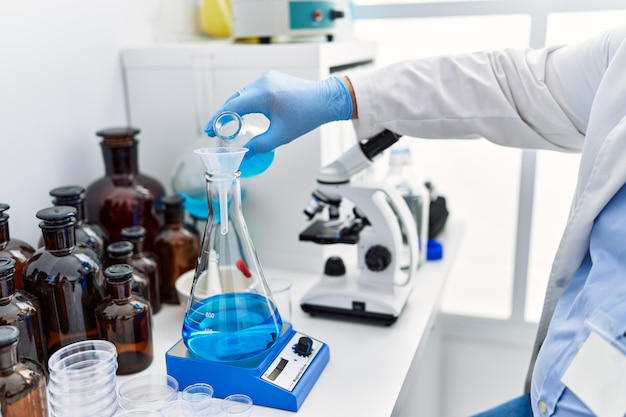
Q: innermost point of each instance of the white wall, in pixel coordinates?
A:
(60, 82)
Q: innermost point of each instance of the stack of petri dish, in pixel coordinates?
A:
(82, 380)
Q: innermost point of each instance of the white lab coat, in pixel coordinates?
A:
(568, 98)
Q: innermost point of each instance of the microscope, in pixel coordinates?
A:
(375, 286)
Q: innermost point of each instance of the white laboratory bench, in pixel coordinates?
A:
(368, 363)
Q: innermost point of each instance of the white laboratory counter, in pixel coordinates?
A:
(368, 363)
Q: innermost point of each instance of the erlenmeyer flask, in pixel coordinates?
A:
(230, 314)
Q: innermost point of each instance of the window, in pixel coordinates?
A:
(482, 280)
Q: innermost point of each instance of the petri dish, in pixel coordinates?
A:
(178, 408)
(147, 392)
(95, 392)
(84, 374)
(199, 395)
(237, 405)
(139, 413)
(81, 357)
(209, 408)
(86, 406)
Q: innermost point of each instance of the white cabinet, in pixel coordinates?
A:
(172, 90)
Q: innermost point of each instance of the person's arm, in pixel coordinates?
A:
(531, 98)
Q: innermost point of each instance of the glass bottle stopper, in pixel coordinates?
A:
(119, 273)
(7, 267)
(118, 133)
(173, 201)
(57, 216)
(134, 232)
(120, 249)
(4, 217)
(9, 335)
(68, 195)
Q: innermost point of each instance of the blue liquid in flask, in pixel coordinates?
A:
(231, 327)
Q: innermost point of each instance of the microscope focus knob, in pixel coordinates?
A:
(334, 267)
(377, 258)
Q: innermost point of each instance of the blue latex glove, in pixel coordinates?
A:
(294, 106)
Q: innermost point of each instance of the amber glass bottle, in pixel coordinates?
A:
(176, 245)
(124, 196)
(21, 309)
(88, 233)
(124, 319)
(66, 279)
(22, 382)
(15, 249)
(122, 253)
(145, 263)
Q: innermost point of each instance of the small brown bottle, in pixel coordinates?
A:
(66, 279)
(21, 309)
(124, 319)
(124, 196)
(176, 245)
(22, 382)
(12, 248)
(145, 263)
(88, 232)
(122, 253)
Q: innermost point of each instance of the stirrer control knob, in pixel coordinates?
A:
(304, 346)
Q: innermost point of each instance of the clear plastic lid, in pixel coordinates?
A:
(148, 392)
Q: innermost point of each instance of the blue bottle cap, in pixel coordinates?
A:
(434, 250)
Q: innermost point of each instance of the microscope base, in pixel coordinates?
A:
(342, 298)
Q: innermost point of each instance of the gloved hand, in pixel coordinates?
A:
(294, 107)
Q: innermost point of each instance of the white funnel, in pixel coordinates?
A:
(222, 161)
